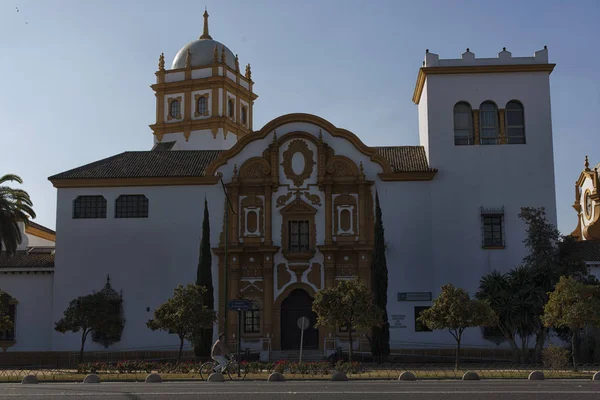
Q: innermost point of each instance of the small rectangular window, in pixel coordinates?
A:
(89, 207)
(131, 206)
(493, 228)
(298, 236)
(419, 327)
(252, 321)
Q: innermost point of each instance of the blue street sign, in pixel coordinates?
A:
(239, 305)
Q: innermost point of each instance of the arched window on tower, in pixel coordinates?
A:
(488, 122)
(202, 108)
(244, 115)
(175, 109)
(515, 122)
(230, 108)
(463, 124)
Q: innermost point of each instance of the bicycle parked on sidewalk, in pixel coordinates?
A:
(231, 369)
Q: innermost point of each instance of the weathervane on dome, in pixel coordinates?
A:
(205, 34)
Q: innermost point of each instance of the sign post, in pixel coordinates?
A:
(239, 305)
(303, 323)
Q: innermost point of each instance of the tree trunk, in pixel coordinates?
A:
(83, 337)
(574, 349)
(540, 339)
(515, 349)
(523, 352)
(457, 361)
(350, 343)
(180, 349)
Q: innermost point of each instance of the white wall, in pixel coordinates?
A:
(510, 176)
(201, 140)
(34, 324)
(145, 257)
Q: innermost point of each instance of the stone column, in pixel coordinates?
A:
(268, 295)
(234, 290)
(502, 138)
(234, 233)
(328, 216)
(476, 126)
(362, 214)
(268, 215)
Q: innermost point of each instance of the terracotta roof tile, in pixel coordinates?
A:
(23, 259)
(590, 250)
(405, 158)
(163, 162)
(145, 164)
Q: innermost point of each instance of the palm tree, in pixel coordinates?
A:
(15, 207)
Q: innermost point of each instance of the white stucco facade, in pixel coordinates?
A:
(433, 199)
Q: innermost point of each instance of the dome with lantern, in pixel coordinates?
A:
(203, 51)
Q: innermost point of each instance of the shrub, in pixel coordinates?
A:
(555, 357)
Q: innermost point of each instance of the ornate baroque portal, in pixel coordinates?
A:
(317, 195)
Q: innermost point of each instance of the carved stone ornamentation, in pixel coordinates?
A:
(281, 200)
(313, 198)
(340, 167)
(256, 167)
(301, 147)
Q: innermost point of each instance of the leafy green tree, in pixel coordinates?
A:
(349, 304)
(573, 305)
(380, 342)
(15, 207)
(203, 342)
(87, 314)
(184, 314)
(6, 323)
(454, 310)
(550, 257)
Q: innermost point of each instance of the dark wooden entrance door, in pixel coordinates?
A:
(298, 304)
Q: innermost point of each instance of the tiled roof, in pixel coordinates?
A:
(162, 162)
(405, 158)
(590, 250)
(23, 259)
(145, 164)
(41, 227)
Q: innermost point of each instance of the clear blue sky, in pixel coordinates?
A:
(75, 74)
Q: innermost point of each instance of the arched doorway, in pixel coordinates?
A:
(298, 304)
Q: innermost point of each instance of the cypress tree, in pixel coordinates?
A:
(203, 343)
(380, 343)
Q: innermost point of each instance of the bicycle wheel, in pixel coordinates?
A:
(232, 371)
(206, 369)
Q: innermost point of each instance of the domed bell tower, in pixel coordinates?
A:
(204, 101)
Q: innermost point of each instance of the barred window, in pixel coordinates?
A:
(89, 207)
(230, 108)
(252, 320)
(244, 115)
(298, 236)
(175, 109)
(488, 122)
(131, 206)
(419, 327)
(515, 123)
(202, 105)
(493, 228)
(463, 124)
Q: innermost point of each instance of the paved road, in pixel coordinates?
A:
(421, 390)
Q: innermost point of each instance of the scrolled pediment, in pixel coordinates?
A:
(298, 206)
